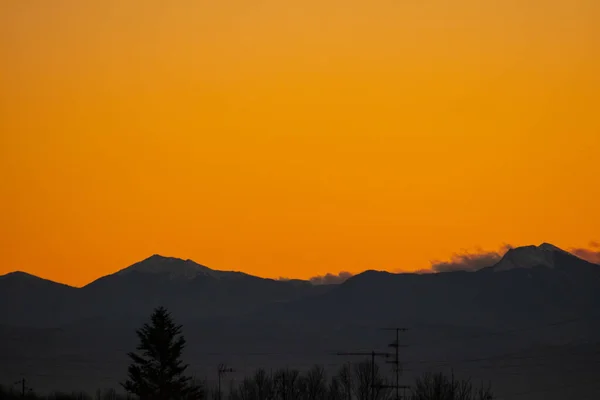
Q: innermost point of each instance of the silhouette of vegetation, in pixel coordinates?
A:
(440, 387)
(349, 383)
(110, 394)
(288, 384)
(158, 373)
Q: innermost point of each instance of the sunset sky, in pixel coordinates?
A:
(294, 138)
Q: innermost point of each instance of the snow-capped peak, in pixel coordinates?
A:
(529, 257)
(174, 268)
(550, 247)
(177, 269)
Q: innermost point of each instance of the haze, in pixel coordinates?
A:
(294, 138)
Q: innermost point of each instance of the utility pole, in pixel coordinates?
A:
(373, 354)
(221, 371)
(23, 386)
(396, 344)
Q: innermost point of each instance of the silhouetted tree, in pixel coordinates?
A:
(158, 372)
(285, 384)
(363, 373)
(247, 389)
(315, 384)
(264, 385)
(440, 387)
(334, 391)
(346, 382)
(107, 394)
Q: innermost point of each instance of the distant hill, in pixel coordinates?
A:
(189, 289)
(544, 279)
(28, 300)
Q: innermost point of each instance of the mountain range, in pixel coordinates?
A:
(536, 300)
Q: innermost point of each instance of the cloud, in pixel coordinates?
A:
(591, 254)
(327, 279)
(464, 261)
(421, 271)
(467, 261)
(330, 279)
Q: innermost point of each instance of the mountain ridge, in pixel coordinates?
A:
(26, 276)
(186, 268)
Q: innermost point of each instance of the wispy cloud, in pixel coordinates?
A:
(467, 261)
(591, 254)
(420, 271)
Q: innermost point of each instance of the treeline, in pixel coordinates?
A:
(158, 373)
(109, 394)
(362, 381)
(351, 382)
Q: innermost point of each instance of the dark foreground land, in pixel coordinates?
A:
(533, 331)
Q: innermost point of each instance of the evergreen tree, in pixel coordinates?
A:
(157, 372)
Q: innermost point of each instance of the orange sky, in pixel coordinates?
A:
(294, 138)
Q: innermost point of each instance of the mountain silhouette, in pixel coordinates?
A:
(26, 299)
(189, 289)
(535, 276)
(229, 314)
(175, 269)
(544, 255)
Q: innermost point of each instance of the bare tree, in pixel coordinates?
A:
(316, 383)
(107, 394)
(484, 393)
(362, 374)
(432, 387)
(346, 380)
(335, 390)
(247, 390)
(234, 392)
(285, 384)
(264, 385)
(440, 387)
(368, 379)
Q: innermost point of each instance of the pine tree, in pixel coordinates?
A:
(157, 372)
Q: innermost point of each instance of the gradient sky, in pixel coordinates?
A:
(294, 138)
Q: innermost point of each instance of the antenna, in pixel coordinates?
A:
(396, 345)
(23, 387)
(222, 370)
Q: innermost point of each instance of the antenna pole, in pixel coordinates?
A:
(220, 372)
(24, 387)
(396, 345)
